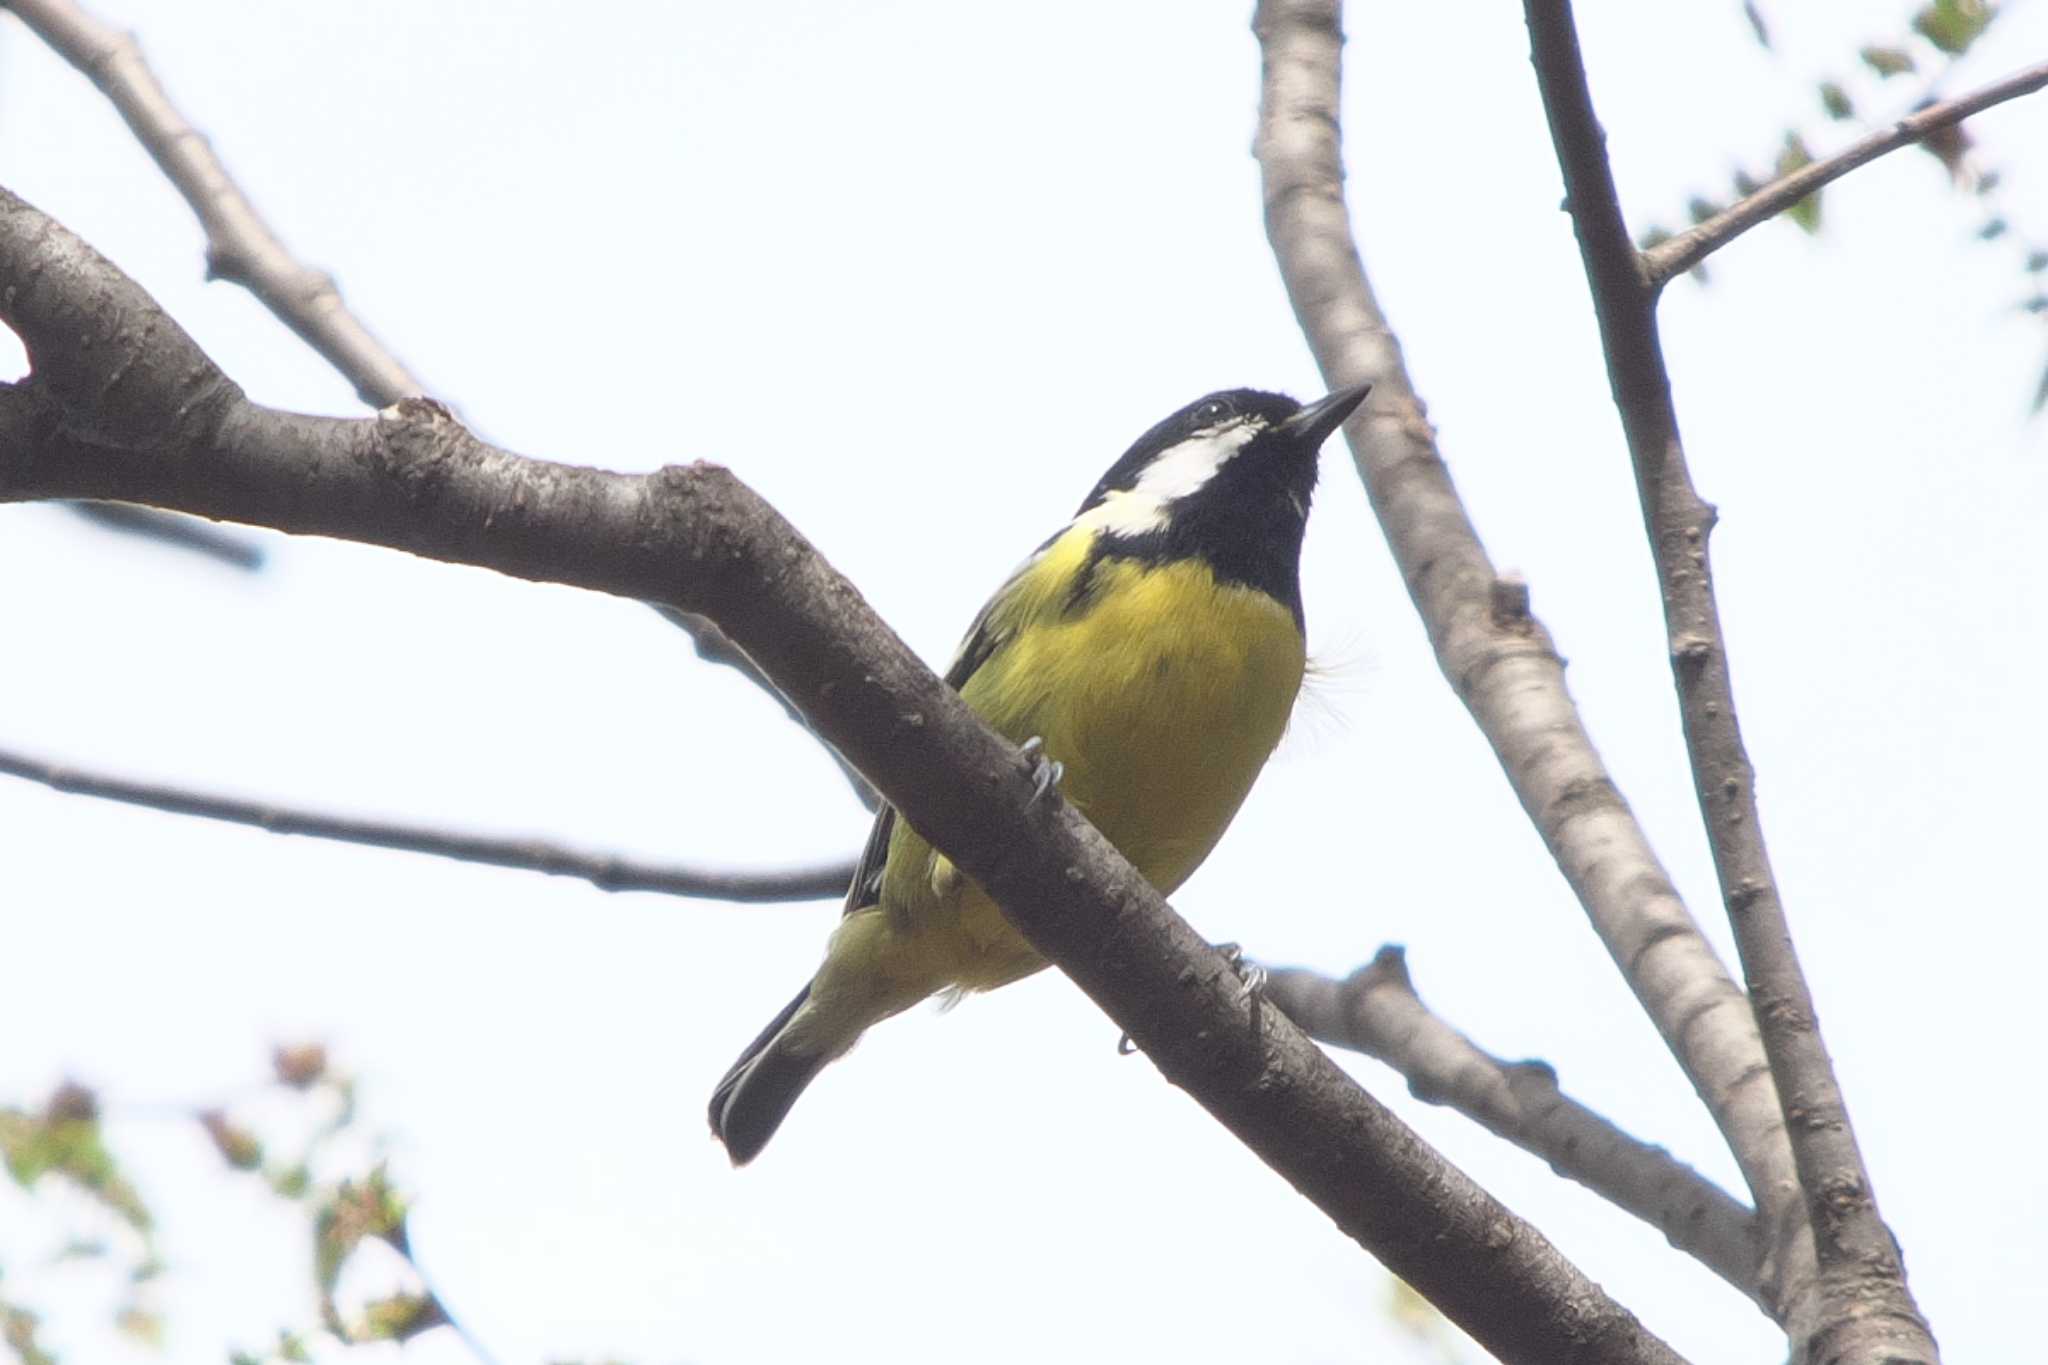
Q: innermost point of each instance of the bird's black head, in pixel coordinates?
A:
(1228, 480)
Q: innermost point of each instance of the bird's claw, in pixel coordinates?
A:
(1045, 772)
(1253, 980)
(1248, 972)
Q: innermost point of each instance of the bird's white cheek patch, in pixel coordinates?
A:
(1178, 471)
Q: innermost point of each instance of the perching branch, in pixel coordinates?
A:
(1376, 1011)
(240, 247)
(606, 871)
(1499, 658)
(1677, 254)
(1866, 1313)
(137, 412)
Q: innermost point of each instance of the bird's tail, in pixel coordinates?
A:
(756, 1094)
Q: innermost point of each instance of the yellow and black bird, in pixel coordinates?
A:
(1152, 649)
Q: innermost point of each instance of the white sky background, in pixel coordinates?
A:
(919, 272)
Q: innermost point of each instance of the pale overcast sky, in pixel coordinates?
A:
(918, 271)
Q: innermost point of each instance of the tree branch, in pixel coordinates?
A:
(240, 247)
(1866, 1313)
(606, 871)
(1677, 254)
(1499, 658)
(136, 411)
(1376, 1011)
(181, 533)
(714, 646)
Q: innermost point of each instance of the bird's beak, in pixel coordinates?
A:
(1313, 424)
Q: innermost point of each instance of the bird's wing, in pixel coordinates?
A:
(983, 639)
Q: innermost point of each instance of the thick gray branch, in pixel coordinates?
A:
(1498, 657)
(242, 248)
(1866, 1314)
(606, 871)
(1376, 1011)
(122, 404)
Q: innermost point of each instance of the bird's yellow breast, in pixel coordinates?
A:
(1161, 691)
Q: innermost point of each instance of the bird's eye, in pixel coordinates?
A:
(1212, 412)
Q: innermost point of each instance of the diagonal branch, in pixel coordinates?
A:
(240, 246)
(1376, 1011)
(606, 871)
(167, 428)
(1675, 255)
(1866, 1313)
(1499, 658)
(242, 249)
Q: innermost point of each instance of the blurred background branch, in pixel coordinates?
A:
(606, 871)
(1376, 1010)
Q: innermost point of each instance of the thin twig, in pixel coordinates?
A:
(168, 528)
(1497, 656)
(714, 646)
(240, 246)
(1679, 253)
(1376, 1011)
(1866, 1313)
(698, 539)
(607, 872)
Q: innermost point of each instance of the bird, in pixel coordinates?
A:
(1147, 657)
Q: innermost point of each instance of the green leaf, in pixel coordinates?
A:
(1806, 213)
(64, 1140)
(2037, 261)
(1835, 100)
(290, 1182)
(237, 1145)
(356, 1211)
(400, 1317)
(1992, 230)
(1887, 62)
(18, 1334)
(1952, 25)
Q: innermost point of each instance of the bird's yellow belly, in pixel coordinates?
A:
(1162, 703)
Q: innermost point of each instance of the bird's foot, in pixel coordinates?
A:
(1045, 772)
(1250, 973)
(1253, 978)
